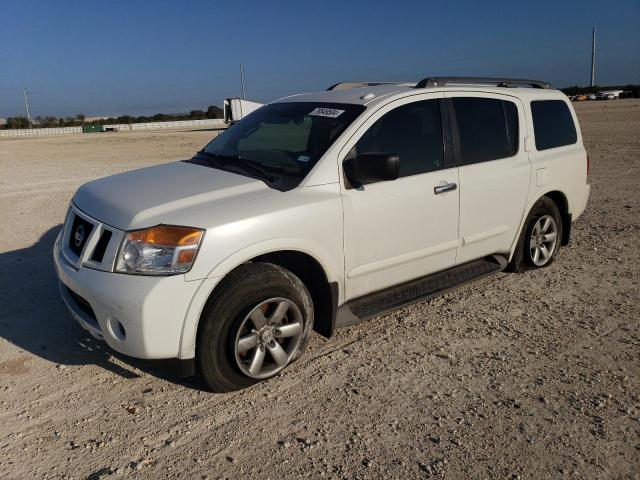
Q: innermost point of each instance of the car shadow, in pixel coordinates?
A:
(34, 318)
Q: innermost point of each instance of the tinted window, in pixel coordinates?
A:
(552, 124)
(511, 114)
(487, 127)
(413, 132)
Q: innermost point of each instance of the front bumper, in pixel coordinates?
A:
(139, 316)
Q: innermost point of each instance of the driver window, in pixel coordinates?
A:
(413, 132)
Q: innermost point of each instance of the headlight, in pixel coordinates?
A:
(159, 250)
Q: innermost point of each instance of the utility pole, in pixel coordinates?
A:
(242, 80)
(26, 106)
(593, 57)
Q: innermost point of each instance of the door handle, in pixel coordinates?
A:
(449, 187)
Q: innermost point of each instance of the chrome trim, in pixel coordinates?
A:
(84, 259)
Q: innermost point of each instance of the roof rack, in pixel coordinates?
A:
(499, 82)
(348, 85)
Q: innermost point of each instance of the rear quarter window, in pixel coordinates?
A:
(552, 124)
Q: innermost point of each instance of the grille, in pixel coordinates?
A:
(80, 231)
(101, 247)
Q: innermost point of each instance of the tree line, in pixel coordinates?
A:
(79, 120)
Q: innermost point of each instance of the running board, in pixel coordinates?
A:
(414, 291)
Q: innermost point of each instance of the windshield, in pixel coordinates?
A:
(280, 143)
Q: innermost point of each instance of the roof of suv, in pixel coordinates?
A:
(372, 94)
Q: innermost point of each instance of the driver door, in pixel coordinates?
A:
(399, 230)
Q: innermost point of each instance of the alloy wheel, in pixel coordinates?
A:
(543, 240)
(268, 338)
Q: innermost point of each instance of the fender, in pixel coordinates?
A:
(538, 193)
(187, 348)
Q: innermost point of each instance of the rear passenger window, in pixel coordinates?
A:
(487, 128)
(552, 124)
(413, 132)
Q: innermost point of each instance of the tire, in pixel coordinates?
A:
(239, 342)
(543, 213)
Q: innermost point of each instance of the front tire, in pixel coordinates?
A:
(256, 324)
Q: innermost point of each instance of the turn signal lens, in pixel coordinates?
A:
(167, 235)
(159, 250)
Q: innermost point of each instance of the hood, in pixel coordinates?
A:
(160, 194)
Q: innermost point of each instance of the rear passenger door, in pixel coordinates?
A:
(494, 170)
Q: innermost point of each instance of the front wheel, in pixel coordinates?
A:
(257, 323)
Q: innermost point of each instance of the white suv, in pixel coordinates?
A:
(318, 211)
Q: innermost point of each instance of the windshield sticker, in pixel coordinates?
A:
(304, 158)
(326, 112)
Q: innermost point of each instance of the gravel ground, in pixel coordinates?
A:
(530, 375)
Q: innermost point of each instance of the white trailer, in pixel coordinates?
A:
(237, 108)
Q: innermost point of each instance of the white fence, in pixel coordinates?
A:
(122, 127)
(40, 131)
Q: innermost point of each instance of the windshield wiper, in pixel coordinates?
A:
(243, 163)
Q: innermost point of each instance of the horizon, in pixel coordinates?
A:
(146, 58)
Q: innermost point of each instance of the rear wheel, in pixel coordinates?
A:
(543, 241)
(540, 239)
(257, 323)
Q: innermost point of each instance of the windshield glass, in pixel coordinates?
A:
(283, 140)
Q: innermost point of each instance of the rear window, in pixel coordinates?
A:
(487, 127)
(552, 124)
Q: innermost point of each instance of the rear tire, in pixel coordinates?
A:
(255, 324)
(540, 238)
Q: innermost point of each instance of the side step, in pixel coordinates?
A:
(413, 291)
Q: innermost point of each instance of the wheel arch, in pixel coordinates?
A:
(323, 292)
(560, 199)
(316, 276)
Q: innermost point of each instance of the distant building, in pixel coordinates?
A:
(3, 122)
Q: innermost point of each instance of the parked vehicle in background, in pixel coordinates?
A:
(318, 211)
(608, 94)
(235, 109)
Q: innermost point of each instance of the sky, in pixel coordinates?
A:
(142, 57)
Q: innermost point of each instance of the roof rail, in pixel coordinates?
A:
(348, 85)
(499, 82)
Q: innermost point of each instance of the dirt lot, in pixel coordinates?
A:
(529, 375)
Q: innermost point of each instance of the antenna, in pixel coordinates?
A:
(26, 106)
(242, 80)
(593, 57)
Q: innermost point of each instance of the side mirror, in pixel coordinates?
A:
(371, 168)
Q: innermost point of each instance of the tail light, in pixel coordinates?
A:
(588, 165)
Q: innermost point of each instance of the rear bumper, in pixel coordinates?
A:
(139, 316)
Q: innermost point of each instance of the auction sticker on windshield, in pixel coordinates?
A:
(326, 112)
